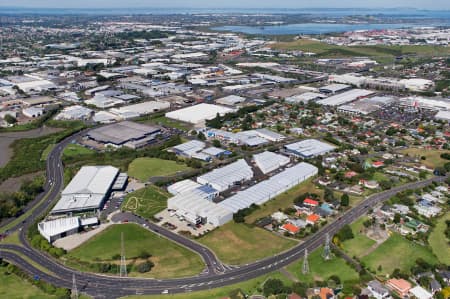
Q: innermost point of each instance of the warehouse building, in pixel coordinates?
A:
(126, 133)
(366, 106)
(334, 88)
(131, 111)
(59, 228)
(346, 97)
(198, 114)
(268, 189)
(230, 100)
(224, 178)
(198, 210)
(188, 149)
(304, 98)
(443, 115)
(268, 161)
(309, 148)
(88, 190)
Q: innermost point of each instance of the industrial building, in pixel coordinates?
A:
(250, 138)
(366, 106)
(224, 178)
(346, 97)
(126, 133)
(268, 189)
(304, 98)
(88, 190)
(188, 149)
(55, 229)
(230, 100)
(268, 161)
(334, 88)
(309, 148)
(131, 111)
(199, 113)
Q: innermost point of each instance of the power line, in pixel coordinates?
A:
(305, 268)
(74, 292)
(123, 263)
(326, 250)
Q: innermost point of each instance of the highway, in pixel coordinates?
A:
(215, 275)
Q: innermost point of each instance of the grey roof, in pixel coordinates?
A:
(310, 147)
(122, 132)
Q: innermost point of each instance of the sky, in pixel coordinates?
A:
(420, 4)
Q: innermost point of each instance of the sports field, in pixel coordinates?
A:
(237, 244)
(170, 259)
(146, 202)
(397, 252)
(438, 242)
(321, 269)
(433, 157)
(145, 168)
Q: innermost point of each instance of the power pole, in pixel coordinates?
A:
(74, 292)
(123, 263)
(305, 268)
(326, 250)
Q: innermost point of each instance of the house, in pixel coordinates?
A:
(279, 216)
(377, 164)
(400, 286)
(435, 286)
(297, 222)
(290, 228)
(350, 174)
(312, 219)
(378, 290)
(369, 184)
(310, 202)
(420, 293)
(400, 209)
(427, 211)
(326, 293)
(294, 296)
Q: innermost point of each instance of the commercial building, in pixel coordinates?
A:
(334, 88)
(443, 115)
(346, 97)
(88, 190)
(224, 178)
(309, 148)
(366, 106)
(188, 149)
(268, 161)
(265, 190)
(126, 133)
(199, 113)
(130, 111)
(230, 100)
(75, 112)
(59, 228)
(304, 98)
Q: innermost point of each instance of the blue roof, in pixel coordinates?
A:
(326, 207)
(207, 189)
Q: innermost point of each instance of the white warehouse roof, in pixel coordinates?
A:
(223, 178)
(87, 189)
(198, 113)
(268, 161)
(309, 148)
(266, 190)
(182, 186)
(345, 97)
(50, 229)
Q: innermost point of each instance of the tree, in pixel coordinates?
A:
(345, 233)
(201, 136)
(397, 218)
(10, 119)
(216, 143)
(145, 267)
(274, 286)
(345, 200)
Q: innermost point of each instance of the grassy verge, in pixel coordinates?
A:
(237, 244)
(13, 287)
(283, 200)
(360, 244)
(164, 121)
(432, 157)
(146, 202)
(397, 252)
(438, 242)
(76, 150)
(321, 269)
(145, 168)
(170, 259)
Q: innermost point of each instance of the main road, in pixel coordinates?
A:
(38, 263)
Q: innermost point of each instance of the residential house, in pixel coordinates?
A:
(312, 219)
(400, 286)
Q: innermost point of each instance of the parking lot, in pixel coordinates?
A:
(171, 221)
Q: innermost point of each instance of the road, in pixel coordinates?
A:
(216, 275)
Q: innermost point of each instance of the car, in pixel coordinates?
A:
(125, 221)
(165, 292)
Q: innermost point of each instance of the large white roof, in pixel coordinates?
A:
(182, 186)
(265, 190)
(223, 178)
(345, 97)
(198, 113)
(310, 147)
(58, 226)
(268, 161)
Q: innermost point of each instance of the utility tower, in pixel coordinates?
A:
(123, 263)
(305, 268)
(326, 250)
(74, 292)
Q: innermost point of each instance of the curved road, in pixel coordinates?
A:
(216, 275)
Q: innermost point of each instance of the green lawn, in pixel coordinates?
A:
(433, 157)
(146, 202)
(397, 252)
(47, 151)
(359, 245)
(237, 244)
(13, 287)
(170, 259)
(251, 287)
(321, 269)
(283, 200)
(162, 120)
(75, 150)
(438, 242)
(145, 168)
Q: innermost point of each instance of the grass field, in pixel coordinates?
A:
(237, 244)
(249, 287)
(433, 157)
(145, 168)
(170, 259)
(397, 252)
(438, 242)
(381, 52)
(162, 120)
(13, 287)
(283, 200)
(74, 150)
(321, 269)
(146, 202)
(359, 245)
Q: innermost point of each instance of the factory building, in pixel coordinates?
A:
(198, 114)
(309, 148)
(224, 178)
(345, 97)
(88, 190)
(268, 161)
